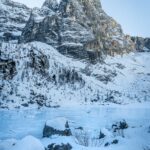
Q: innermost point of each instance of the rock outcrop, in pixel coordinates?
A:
(13, 17)
(54, 146)
(58, 126)
(7, 69)
(78, 28)
(141, 44)
(26, 70)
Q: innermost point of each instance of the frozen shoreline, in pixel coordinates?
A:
(17, 124)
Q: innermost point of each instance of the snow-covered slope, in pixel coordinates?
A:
(36, 74)
(13, 17)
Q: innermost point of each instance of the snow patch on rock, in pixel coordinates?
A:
(57, 123)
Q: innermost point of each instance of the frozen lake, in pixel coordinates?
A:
(19, 123)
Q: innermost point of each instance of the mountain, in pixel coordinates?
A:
(38, 72)
(13, 17)
(77, 28)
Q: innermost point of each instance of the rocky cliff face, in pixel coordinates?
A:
(78, 28)
(13, 17)
(141, 44)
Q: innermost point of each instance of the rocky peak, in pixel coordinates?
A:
(77, 28)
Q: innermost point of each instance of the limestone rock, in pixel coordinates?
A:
(77, 28)
(57, 126)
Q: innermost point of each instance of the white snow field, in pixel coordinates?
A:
(28, 125)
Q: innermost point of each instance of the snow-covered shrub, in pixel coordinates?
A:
(82, 137)
(86, 139)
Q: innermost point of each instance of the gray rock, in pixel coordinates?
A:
(25, 105)
(7, 69)
(49, 131)
(58, 126)
(77, 28)
(115, 141)
(39, 61)
(13, 17)
(141, 44)
(59, 147)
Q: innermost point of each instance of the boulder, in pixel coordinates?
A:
(58, 126)
(59, 147)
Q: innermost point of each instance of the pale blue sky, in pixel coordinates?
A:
(133, 15)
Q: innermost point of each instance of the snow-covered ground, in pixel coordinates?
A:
(90, 96)
(17, 124)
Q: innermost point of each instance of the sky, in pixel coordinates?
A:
(133, 15)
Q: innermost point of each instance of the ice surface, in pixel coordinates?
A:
(21, 123)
